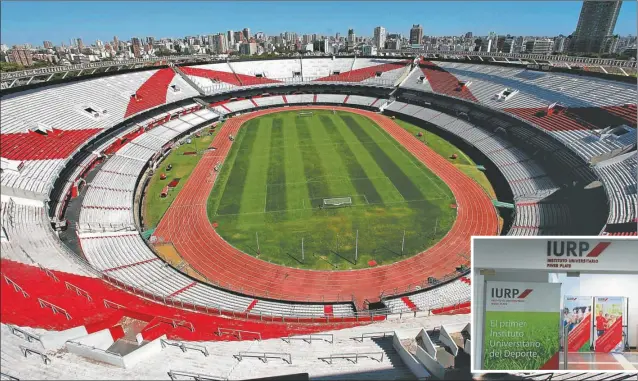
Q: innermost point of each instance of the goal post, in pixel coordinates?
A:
(336, 202)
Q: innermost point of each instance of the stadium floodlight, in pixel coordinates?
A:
(336, 202)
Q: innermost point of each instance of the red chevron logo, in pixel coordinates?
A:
(525, 293)
(598, 249)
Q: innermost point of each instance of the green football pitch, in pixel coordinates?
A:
(268, 198)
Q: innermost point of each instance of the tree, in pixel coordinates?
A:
(9, 66)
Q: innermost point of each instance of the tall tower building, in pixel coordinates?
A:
(80, 44)
(48, 45)
(136, 46)
(239, 37)
(379, 37)
(351, 36)
(230, 36)
(218, 43)
(21, 56)
(595, 25)
(416, 34)
(246, 33)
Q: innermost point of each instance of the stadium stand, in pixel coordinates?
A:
(540, 219)
(30, 239)
(331, 98)
(526, 179)
(536, 88)
(210, 359)
(272, 69)
(269, 101)
(619, 178)
(315, 68)
(46, 143)
(455, 292)
(583, 104)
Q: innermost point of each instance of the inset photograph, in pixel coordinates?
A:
(554, 303)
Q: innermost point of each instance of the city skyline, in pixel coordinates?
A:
(52, 21)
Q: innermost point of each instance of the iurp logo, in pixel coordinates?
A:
(510, 293)
(574, 249)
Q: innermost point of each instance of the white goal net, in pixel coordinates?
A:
(337, 202)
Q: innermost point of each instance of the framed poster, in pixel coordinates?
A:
(522, 326)
(608, 323)
(577, 316)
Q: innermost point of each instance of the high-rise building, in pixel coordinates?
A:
(559, 44)
(610, 44)
(394, 44)
(136, 46)
(230, 36)
(322, 46)
(468, 35)
(539, 46)
(351, 36)
(369, 50)
(416, 34)
(379, 37)
(500, 43)
(48, 45)
(239, 37)
(20, 56)
(80, 44)
(246, 33)
(248, 48)
(290, 37)
(220, 43)
(596, 23)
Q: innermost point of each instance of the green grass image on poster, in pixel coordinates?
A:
(520, 340)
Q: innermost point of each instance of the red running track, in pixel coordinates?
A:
(186, 225)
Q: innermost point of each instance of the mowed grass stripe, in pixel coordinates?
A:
(363, 184)
(387, 191)
(236, 171)
(401, 181)
(254, 189)
(429, 184)
(315, 160)
(296, 189)
(336, 173)
(313, 170)
(276, 190)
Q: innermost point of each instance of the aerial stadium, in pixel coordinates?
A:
(191, 217)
